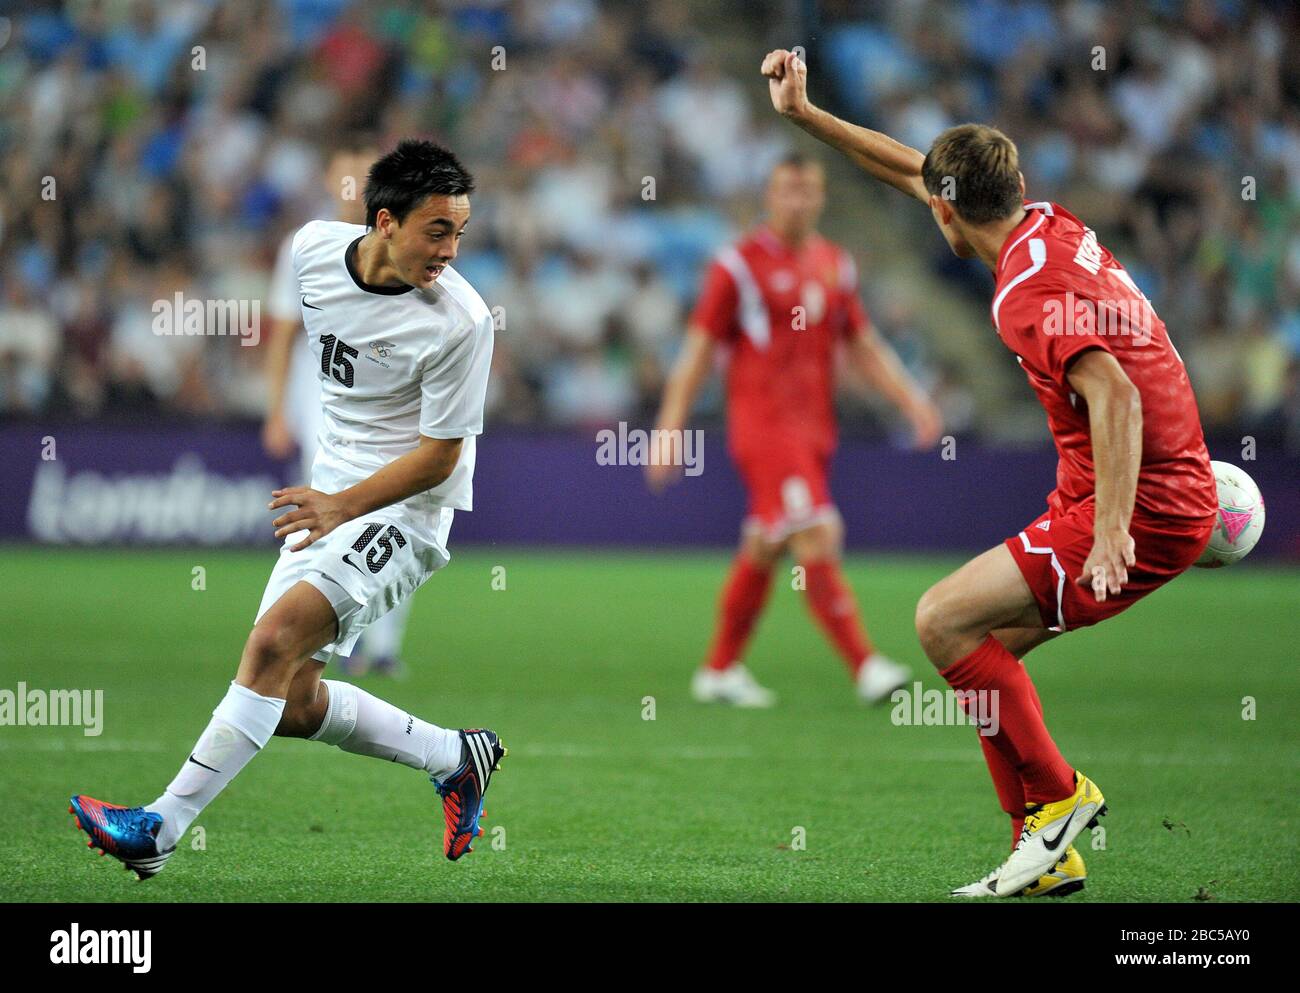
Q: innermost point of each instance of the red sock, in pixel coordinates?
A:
(1022, 738)
(1006, 780)
(742, 601)
(831, 602)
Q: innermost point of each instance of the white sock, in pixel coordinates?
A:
(383, 639)
(241, 725)
(363, 724)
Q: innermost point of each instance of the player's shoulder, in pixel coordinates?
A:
(325, 235)
(756, 247)
(462, 294)
(730, 265)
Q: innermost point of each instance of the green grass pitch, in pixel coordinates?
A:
(599, 803)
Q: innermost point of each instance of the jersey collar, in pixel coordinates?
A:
(1034, 212)
(389, 291)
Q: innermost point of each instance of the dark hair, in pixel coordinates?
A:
(414, 170)
(978, 168)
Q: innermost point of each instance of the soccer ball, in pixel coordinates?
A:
(1240, 521)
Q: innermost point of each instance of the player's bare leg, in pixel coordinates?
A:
(1021, 641)
(297, 626)
(756, 545)
(818, 549)
(959, 612)
(956, 621)
(724, 678)
(305, 704)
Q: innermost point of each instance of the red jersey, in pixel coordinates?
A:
(1060, 293)
(781, 311)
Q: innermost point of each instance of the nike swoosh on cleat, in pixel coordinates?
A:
(311, 305)
(1054, 843)
(208, 767)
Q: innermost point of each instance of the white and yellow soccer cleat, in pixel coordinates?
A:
(986, 887)
(1048, 831)
(1066, 877)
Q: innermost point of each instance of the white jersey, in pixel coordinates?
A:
(394, 363)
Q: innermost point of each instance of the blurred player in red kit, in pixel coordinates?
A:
(1135, 498)
(781, 303)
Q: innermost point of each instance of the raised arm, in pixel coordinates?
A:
(877, 154)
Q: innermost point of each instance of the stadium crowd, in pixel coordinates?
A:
(153, 148)
(1171, 127)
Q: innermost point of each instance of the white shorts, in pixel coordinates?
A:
(364, 568)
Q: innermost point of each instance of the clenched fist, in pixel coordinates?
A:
(787, 82)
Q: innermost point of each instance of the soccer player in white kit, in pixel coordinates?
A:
(294, 416)
(403, 345)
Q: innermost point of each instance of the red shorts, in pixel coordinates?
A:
(788, 488)
(1051, 553)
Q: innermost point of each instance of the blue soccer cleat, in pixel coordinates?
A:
(462, 791)
(129, 834)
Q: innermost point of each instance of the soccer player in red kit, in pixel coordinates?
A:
(1135, 498)
(780, 303)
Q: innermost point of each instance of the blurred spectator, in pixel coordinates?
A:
(1173, 129)
(29, 345)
